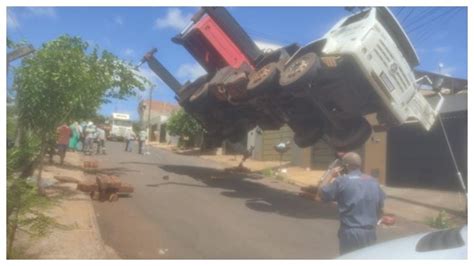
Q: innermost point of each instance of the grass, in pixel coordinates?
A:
(440, 221)
(269, 172)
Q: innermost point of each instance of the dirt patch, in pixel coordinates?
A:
(80, 238)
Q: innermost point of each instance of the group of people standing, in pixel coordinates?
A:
(79, 137)
(130, 137)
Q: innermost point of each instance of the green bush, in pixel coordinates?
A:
(185, 126)
(268, 172)
(441, 221)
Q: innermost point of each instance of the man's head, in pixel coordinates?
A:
(352, 161)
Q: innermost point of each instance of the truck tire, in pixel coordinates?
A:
(300, 71)
(262, 79)
(308, 137)
(355, 135)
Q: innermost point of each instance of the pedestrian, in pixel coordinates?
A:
(75, 135)
(82, 140)
(63, 135)
(89, 136)
(100, 140)
(141, 140)
(359, 202)
(129, 137)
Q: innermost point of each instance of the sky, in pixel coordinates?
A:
(439, 35)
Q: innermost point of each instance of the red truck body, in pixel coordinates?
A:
(222, 44)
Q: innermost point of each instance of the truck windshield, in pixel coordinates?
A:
(355, 18)
(123, 123)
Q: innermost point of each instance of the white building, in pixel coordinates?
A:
(159, 114)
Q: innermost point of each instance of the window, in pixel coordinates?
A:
(123, 123)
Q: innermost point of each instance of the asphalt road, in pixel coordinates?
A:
(186, 207)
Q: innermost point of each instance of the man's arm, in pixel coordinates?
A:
(327, 188)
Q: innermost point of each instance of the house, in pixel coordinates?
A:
(157, 113)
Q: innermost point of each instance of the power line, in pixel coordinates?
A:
(427, 34)
(408, 15)
(459, 9)
(422, 22)
(419, 16)
(399, 10)
(432, 20)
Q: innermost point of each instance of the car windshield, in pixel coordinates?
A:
(122, 123)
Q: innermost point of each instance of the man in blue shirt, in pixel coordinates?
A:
(359, 201)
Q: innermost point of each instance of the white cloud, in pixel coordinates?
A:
(442, 49)
(190, 71)
(42, 11)
(12, 20)
(129, 52)
(118, 20)
(174, 19)
(267, 45)
(151, 77)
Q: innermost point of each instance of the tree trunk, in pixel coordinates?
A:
(20, 134)
(41, 162)
(12, 232)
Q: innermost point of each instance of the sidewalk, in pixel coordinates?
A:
(82, 239)
(413, 204)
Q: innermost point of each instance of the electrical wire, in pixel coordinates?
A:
(399, 11)
(423, 15)
(408, 15)
(431, 21)
(428, 33)
(458, 173)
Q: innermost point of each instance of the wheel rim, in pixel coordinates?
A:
(260, 76)
(297, 68)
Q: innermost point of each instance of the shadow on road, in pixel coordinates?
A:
(259, 197)
(173, 183)
(142, 163)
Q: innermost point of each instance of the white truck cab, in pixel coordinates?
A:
(383, 52)
(121, 126)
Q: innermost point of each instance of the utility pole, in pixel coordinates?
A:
(149, 112)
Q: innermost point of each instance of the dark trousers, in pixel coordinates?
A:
(62, 148)
(128, 145)
(100, 146)
(351, 239)
(140, 146)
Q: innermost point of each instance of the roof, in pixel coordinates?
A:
(455, 84)
(159, 106)
(452, 103)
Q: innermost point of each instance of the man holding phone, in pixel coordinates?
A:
(359, 201)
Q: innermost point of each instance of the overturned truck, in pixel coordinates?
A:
(362, 65)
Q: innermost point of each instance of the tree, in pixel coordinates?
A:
(62, 81)
(183, 125)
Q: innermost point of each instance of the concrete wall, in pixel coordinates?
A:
(256, 140)
(297, 156)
